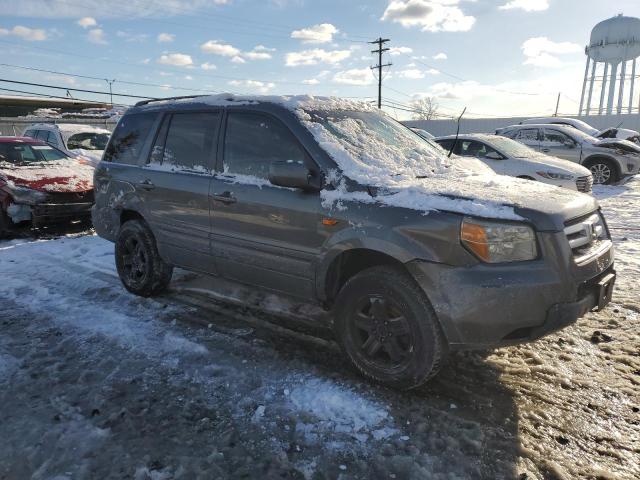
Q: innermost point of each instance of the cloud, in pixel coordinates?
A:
(440, 56)
(311, 81)
(354, 76)
(238, 59)
(254, 85)
(166, 37)
(215, 47)
(176, 59)
(430, 15)
(96, 35)
(321, 33)
(411, 74)
(542, 52)
(526, 5)
(86, 22)
(132, 37)
(259, 52)
(207, 66)
(25, 33)
(315, 56)
(129, 9)
(400, 50)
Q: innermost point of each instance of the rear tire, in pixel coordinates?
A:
(140, 268)
(604, 171)
(386, 326)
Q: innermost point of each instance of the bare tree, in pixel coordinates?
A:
(425, 108)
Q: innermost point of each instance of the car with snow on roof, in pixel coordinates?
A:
(76, 140)
(508, 157)
(609, 160)
(333, 202)
(41, 185)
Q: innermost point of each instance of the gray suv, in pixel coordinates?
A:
(335, 203)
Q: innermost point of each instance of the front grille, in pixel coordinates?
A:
(585, 183)
(70, 197)
(586, 235)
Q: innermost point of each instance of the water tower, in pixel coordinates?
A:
(614, 43)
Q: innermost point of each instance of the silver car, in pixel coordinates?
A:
(609, 160)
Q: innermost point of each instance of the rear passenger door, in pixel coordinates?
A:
(263, 234)
(530, 137)
(175, 187)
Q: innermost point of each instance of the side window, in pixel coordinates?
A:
(446, 144)
(129, 137)
(42, 135)
(253, 141)
(528, 136)
(554, 138)
(475, 149)
(29, 133)
(52, 138)
(191, 141)
(157, 151)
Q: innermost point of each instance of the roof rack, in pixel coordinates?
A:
(145, 102)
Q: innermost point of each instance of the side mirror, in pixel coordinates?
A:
(494, 156)
(292, 174)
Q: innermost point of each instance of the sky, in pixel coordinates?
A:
(495, 57)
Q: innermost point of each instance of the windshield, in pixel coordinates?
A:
(377, 146)
(23, 153)
(511, 148)
(584, 127)
(88, 141)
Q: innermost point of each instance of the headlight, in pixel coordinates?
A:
(555, 175)
(23, 194)
(494, 242)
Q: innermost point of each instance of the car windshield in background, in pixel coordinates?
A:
(377, 141)
(88, 141)
(511, 148)
(22, 153)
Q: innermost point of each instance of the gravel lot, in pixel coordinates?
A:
(201, 383)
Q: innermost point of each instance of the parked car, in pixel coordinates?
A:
(611, 132)
(72, 138)
(40, 185)
(609, 160)
(334, 202)
(508, 157)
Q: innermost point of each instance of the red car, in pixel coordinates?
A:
(41, 185)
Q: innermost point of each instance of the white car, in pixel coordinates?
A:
(611, 132)
(508, 157)
(73, 139)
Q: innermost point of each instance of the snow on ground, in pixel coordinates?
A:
(97, 383)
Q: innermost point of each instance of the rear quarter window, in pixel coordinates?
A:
(129, 137)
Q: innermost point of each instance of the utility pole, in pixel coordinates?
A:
(110, 82)
(557, 104)
(380, 42)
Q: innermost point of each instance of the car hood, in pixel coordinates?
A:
(68, 176)
(624, 145)
(619, 133)
(557, 164)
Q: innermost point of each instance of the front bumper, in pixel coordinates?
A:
(487, 306)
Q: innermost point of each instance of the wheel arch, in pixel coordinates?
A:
(342, 264)
(601, 156)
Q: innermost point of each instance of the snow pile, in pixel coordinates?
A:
(339, 409)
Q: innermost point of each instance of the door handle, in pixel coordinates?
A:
(224, 197)
(146, 184)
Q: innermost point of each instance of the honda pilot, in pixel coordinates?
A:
(333, 202)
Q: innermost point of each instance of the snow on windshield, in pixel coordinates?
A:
(511, 148)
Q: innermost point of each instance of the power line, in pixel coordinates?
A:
(50, 96)
(75, 89)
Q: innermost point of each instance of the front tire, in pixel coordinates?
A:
(388, 329)
(140, 268)
(604, 171)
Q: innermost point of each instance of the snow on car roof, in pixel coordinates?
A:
(408, 173)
